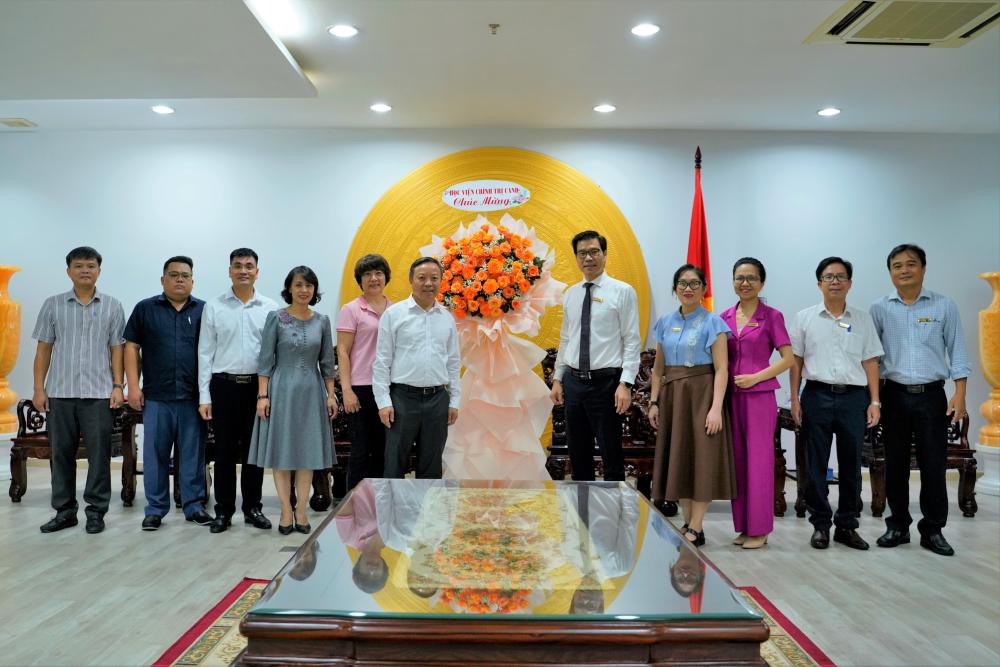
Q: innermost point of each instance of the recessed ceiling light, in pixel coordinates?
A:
(645, 30)
(380, 107)
(604, 108)
(162, 109)
(828, 111)
(342, 30)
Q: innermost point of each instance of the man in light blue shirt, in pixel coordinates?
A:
(922, 336)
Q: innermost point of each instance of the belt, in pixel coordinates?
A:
(420, 391)
(833, 388)
(594, 374)
(238, 379)
(915, 388)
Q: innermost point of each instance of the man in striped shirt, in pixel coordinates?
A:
(78, 375)
(921, 333)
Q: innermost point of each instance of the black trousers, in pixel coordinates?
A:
(590, 414)
(919, 419)
(234, 407)
(825, 414)
(420, 418)
(68, 418)
(367, 439)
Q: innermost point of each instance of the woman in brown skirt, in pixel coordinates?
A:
(694, 451)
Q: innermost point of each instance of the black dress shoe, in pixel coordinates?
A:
(893, 537)
(151, 522)
(201, 517)
(303, 528)
(820, 539)
(95, 524)
(58, 522)
(220, 524)
(850, 538)
(257, 519)
(937, 544)
(286, 530)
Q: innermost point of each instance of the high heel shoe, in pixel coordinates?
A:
(286, 530)
(755, 542)
(699, 537)
(303, 528)
(740, 539)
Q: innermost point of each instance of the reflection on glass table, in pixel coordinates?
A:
(408, 548)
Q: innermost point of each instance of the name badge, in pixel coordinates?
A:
(753, 324)
(597, 299)
(844, 325)
(676, 329)
(924, 320)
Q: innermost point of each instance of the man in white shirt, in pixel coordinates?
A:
(415, 377)
(228, 346)
(597, 362)
(837, 350)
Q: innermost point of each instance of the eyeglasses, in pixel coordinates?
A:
(174, 275)
(593, 252)
(693, 284)
(835, 277)
(750, 280)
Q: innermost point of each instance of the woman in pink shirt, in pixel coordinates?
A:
(357, 332)
(758, 330)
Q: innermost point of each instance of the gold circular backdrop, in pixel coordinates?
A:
(563, 202)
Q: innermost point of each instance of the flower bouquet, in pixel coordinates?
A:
(497, 282)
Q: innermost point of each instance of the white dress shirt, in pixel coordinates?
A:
(614, 327)
(832, 348)
(229, 341)
(416, 347)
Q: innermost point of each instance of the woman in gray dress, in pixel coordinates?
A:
(294, 408)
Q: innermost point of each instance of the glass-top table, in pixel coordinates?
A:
(409, 569)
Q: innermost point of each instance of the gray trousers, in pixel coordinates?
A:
(68, 419)
(420, 418)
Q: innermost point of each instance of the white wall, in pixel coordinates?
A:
(298, 196)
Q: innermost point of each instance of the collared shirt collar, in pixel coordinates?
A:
(364, 305)
(697, 311)
(162, 298)
(758, 313)
(412, 303)
(599, 280)
(924, 294)
(71, 296)
(230, 294)
(847, 310)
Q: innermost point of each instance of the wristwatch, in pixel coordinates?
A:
(260, 396)
(628, 384)
(877, 404)
(118, 386)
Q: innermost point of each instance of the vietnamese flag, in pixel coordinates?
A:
(698, 236)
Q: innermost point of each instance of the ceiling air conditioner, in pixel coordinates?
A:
(940, 23)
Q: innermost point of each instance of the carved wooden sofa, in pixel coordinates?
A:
(32, 441)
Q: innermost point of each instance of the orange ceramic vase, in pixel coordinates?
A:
(10, 334)
(989, 360)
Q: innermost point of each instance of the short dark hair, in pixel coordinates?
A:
(179, 259)
(754, 262)
(425, 260)
(308, 275)
(906, 247)
(689, 267)
(371, 263)
(823, 263)
(586, 236)
(243, 252)
(83, 252)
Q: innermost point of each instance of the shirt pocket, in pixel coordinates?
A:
(930, 331)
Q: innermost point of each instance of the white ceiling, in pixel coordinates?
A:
(716, 64)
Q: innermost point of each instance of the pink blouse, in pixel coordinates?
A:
(358, 318)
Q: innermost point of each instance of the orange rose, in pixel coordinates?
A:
(523, 285)
(473, 305)
(460, 313)
(446, 277)
(468, 272)
(485, 228)
(532, 271)
(455, 267)
(516, 267)
(503, 281)
(482, 275)
(476, 285)
(460, 302)
(490, 286)
(508, 292)
(515, 239)
(470, 294)
(449, 242)
(494, 303)
(495, 267)
(440, 296)
(505, 248)
(526, 241)
(527, 255)
(456, 287)
(496, 252)
(515, 304)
